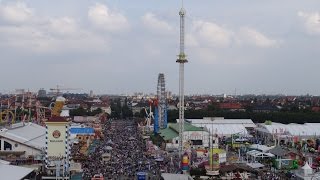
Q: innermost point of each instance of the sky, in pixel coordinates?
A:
(120, 46)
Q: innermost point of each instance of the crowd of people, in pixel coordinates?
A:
(126, 148)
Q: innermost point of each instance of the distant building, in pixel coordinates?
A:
(42, 93)
(138, 107)
(65, 112)
(265, 108)
(104, 107)
(73, 106)
(231, 107)
(20, 91)
(169, 94)
(172, 107)
(85, 119)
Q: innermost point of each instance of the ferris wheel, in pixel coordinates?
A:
(7, 116)
(162, 102)
(8, 113)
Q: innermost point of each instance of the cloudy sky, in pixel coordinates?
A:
(120, 46)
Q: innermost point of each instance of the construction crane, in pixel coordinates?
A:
(58, 89)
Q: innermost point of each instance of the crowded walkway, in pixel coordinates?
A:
(124, 143)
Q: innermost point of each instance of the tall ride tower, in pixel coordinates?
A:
(162, 101)
(181, 60)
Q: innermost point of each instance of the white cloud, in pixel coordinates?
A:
(30, 32)
(251, 36)
(191, 40)
(41, 39)
(16, 12)
(210, 41)
(63, 26)
(311, 22)
(211, 34)
(151, 49)
(103, 18)
(207, 55)
(155, 24)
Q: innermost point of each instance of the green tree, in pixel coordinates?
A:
(78, 112)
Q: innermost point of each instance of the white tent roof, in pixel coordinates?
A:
(13, 172)
(4, 162)
(256, 153)
(306, 166)
(198, 121)
(307, 129)
(65, 113)
(30, 134)
(221, 120)
(260, 147)
(255, 165)
(225, 129)
(234, 121)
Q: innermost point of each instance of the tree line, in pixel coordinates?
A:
(84, 112)
(285, 117)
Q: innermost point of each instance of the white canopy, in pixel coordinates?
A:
(255, 165)
(13, 172)
(306, 166)
(255, 154)
(307, 129)
(260, 147)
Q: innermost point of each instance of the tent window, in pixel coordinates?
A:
(7, 146)
(196, 142)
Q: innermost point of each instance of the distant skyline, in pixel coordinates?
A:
(119, 47)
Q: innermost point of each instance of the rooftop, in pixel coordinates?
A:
(187, 127)
(307, 129)
(278, 151)
(57, 119)
(172, 130)
(221, 120)
(13, 172)
(168, 134)
(81, 130)
(30, 134)
(225, 129)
